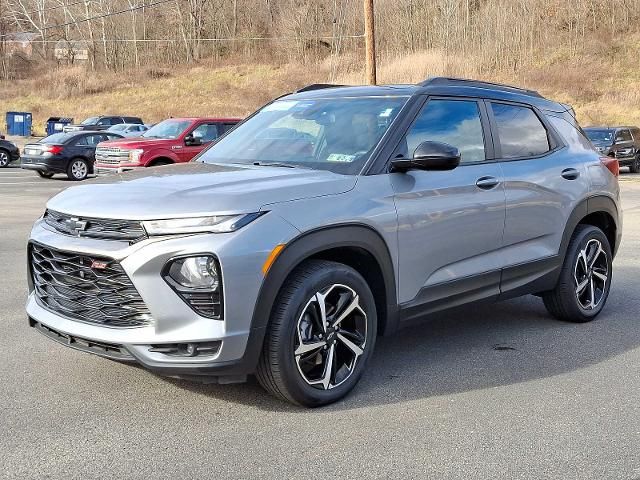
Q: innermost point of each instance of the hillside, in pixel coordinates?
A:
(602, 83)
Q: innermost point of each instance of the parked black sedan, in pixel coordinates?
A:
(9, 152)
(71, 153)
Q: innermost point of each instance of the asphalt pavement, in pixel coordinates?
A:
(498, 391)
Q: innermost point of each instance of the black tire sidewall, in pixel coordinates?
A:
(583, 236)
(297, 388)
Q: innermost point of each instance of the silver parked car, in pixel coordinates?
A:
(128, 129)
(327, 218)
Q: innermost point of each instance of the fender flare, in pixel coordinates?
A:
(597, 203)
(318, 240)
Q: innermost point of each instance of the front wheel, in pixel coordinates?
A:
(585, 278)
(78, 169)
(320, 336)
(635, 165)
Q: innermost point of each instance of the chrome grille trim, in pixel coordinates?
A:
(66, 284)
(101, 228)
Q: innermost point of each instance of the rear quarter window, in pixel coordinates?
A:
(521, 134)
(573, 137)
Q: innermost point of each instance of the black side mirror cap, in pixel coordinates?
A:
(429, 155)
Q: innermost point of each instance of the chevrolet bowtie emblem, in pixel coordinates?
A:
(75, 225)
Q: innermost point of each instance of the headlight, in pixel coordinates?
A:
(134, 155)
(215, 224)
(195, 272)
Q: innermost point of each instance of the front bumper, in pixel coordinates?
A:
(174, 322)
(102, 170)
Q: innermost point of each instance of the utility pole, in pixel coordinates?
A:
(370, 41)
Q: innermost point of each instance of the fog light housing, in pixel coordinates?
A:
(196, 279)
(195, 272)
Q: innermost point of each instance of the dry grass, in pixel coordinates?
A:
(602, 84)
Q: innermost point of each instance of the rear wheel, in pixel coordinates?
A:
(4, 158)
(321, 334)
(78, 169)
(45, 174)
(585, 278)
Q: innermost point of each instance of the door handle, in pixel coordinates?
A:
(570, 173)
(487, 183)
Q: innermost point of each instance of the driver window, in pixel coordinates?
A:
(207, 132)
(456, 122)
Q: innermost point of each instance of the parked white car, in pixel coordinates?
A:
(129, 129)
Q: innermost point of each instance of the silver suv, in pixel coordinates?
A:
(329, 217)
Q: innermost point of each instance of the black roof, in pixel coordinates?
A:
(435, 86)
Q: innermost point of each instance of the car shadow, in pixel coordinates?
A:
(474, 347)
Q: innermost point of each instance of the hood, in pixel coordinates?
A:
(195, 189)
(137, 142)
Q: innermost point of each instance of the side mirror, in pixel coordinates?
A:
(429, 156)
(190, 140)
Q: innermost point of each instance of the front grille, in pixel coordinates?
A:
(107, 229)
(90, 289)
(111, 155)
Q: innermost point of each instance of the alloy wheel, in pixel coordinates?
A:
(4, 159)
(79, 169)
(591, 274)
(330, 337)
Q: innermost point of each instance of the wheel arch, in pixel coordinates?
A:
(356, 245)
(158, 159)
(600, 211)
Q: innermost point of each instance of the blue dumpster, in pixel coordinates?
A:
(55, 124)
(19, 123)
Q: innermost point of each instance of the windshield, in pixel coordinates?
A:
(90, 121)
(56, 138)
(167, 129)
(336, 134)
(599, 135)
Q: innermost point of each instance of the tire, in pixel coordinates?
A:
(160, 163)
(44, 174)
(634, 166)
(4, 158)
(78, 169)
(301, 379)
(572, 300)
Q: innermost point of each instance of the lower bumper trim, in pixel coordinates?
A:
(108, 350)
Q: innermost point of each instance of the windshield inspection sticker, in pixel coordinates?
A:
(341, 158)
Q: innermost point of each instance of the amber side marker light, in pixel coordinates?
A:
(272, 258)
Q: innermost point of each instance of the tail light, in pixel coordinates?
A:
(612, 165)
(53, 149)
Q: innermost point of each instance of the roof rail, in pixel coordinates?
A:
(478, 84)
(317, 86)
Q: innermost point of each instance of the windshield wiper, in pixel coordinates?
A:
(275, 164)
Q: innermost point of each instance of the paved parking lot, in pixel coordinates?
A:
(499, 391)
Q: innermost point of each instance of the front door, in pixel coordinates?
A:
(450, 224)
(201, 136)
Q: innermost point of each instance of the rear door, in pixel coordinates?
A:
(450, 222)
(544, 181)
(203, 134)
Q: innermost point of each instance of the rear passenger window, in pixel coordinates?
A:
(520, 131)
(456, 122)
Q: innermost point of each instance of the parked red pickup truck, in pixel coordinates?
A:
(175, 140)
